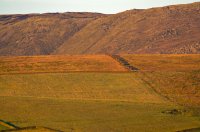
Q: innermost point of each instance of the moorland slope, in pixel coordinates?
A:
(39, 34)
(171, 29)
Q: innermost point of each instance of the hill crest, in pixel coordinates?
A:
(164, 30)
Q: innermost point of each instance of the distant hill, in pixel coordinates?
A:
(167, 30)
(171, 29)
(39, 34)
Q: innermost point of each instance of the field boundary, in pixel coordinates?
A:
(128, 66)
(31, 128)
(64, 72)
(8, 124)
(83, 99)
(153, 89)
(124, 62)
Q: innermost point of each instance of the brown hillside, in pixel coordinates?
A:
(37, 34)
(171, 29)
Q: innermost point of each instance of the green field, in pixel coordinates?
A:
(163, 96)
(79, 86)
(88, 102)
(70, 115)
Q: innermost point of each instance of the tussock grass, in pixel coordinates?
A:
(98, 116)
(101, 101)
(176, 77)
(79, 86)
(180, 87)
(68, 63)
(164, 62)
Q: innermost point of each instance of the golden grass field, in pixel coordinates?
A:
(68, 63)
(174, 76)
(180, 87)
(160, 62)
(79, 86)
(110, 100)
(80, 115)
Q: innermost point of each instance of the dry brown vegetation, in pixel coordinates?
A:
(96, 92)
(176, 77)
(36, 34)
(171, 29)
(67, 63)
(164, 62)
(182, 88)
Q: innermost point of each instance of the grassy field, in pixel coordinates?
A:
(164, 62)
(70, 115)
(180, 87)
(67, 63)
(88, 102)
(79, 86)
(162, 96)
(176, 77)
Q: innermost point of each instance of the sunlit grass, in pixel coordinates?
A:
(67, 63)
(81, 86)
(164, 62)
(68, 115)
